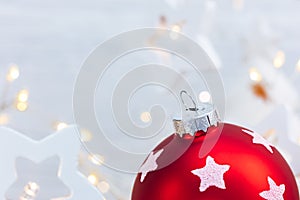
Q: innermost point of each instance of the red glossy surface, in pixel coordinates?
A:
(250, 165)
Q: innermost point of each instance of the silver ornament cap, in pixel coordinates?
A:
(196, 118)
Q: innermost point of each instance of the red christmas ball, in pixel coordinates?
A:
(226, 162)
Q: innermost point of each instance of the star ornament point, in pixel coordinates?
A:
(150, 164)
(258, 139)
(275, 192)
(212, 174)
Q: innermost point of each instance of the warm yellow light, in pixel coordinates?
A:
(298, 66)
(279, 59)
(96, 159)
(145, 117)
(93, 179)
(175, 30)
(4, 119)
(103, 186)
(22, 106)
(255, 75)
(33, 186)
(269, 133)
(204, 97)
(61, 125)
(23, 96)
(86, 135)
(238, 4)
(299, 140)
(31, 189)
(13, 73)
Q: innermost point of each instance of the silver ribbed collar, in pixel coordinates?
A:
(201, 120)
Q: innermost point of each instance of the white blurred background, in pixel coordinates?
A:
(255, 45)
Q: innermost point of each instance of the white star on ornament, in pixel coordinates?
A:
(150, 164)
(275, 192)
(211, 175)
(258, 139)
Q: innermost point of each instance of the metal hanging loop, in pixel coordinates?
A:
(204, 118)
(192, 100)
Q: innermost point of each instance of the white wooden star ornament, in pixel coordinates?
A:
(212, 174)
(150, 164)
(258, 139)
(275, 193)
(61, 147)
(38, 180)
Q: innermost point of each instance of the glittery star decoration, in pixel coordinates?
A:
(150, 164)
(258, 139)
(65, 144)
(275, 192)
(38, 180)
(211, 175)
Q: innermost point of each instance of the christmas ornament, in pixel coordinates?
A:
(223, 161)
(31, 182)
(38, 180)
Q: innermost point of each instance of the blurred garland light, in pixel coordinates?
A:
(22, 106)
(279, 59)
(21, 100)
(270, 135)
(96, 159)
(145, 117)
(60, 125)
(85, 135)
(174, 34)
(258, 88)
(4, 119)
(204, 97)
(238, 4)
(255, 75)
(93, 179)
(23, 96)
(30, 191)
(103, 186)
(13, 73)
